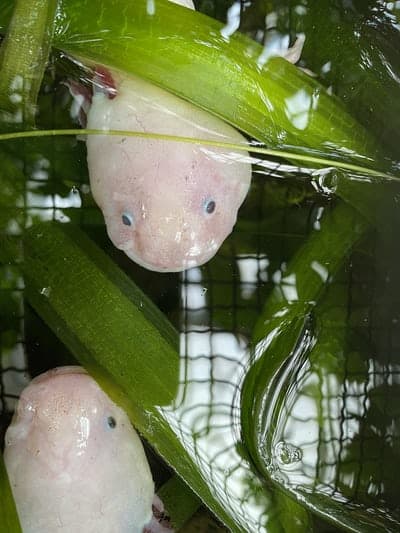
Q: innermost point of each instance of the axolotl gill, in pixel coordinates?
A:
(74, 461)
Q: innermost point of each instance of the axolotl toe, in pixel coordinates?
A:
(74, 461)
(168, 205)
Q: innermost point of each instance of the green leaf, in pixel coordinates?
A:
(178, 500)
(8, 512)
(89, 300)
(187, 53)
(284, 330)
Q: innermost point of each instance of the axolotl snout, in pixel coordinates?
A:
(168, 205)
(74, 461)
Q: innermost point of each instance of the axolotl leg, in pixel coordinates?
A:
(160, 522)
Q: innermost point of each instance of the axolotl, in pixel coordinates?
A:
(168, 205)
(74, 461)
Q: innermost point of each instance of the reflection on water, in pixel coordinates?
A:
(328, 425)
(211, 367)
(335, 439)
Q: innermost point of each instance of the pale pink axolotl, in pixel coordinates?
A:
(74, 461)
(168, 205)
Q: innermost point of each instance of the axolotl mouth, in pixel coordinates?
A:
(167, 258)
(170, 262)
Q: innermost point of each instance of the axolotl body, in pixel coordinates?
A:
(168, 205)
(74, 461)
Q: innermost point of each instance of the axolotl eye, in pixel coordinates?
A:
(209, 206)
(111, 422)
(127, 218)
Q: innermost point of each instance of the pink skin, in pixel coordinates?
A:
(74, 461)
(167, 205)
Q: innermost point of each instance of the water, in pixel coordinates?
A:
(322, 416)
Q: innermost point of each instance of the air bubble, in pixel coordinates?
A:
(45, 291)
(287, 454)
(325, 182)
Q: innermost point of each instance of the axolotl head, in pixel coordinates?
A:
(74, 459)
(176, 218)
(168, 205)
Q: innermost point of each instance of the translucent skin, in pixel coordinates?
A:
(168, 205)
(74, 461)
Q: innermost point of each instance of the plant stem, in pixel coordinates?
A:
(23, 58)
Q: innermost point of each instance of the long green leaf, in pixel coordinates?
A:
(8, 512)
(364, 173)
(66, 289)
(189, 54)
(285, 318)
